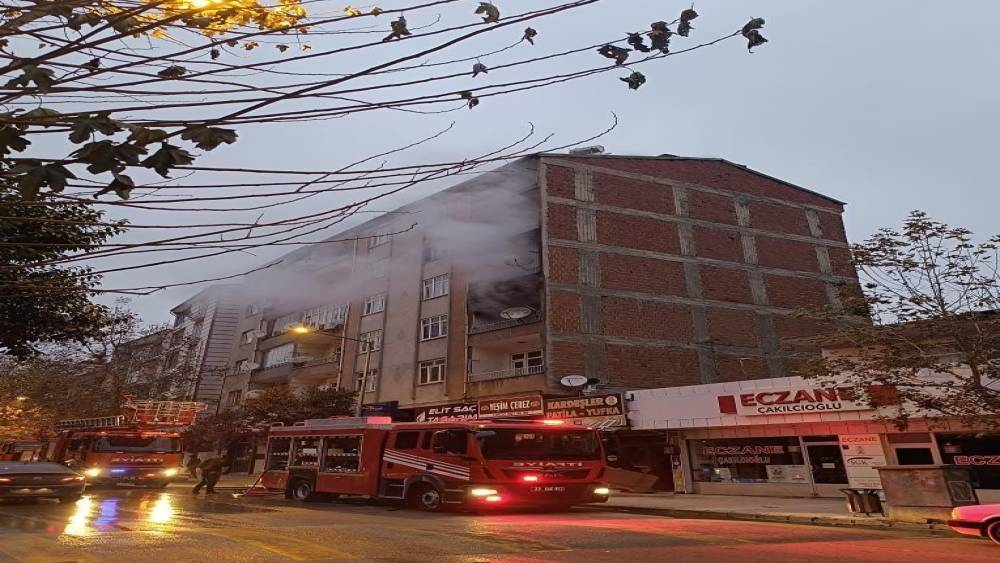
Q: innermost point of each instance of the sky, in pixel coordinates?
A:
(889, 106)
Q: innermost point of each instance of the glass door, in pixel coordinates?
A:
(827, 464)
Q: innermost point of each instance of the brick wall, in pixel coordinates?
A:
(647, 275)
(646, 319)
(666, 272)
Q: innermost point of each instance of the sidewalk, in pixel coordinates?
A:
(813, 511)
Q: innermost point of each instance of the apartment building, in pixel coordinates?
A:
(206, 323)
(635, 272)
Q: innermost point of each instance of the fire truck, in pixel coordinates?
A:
(142, 446)
(434, 465)
(19, 450)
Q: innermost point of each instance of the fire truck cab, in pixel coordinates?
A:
(141, 447)
(473, 464)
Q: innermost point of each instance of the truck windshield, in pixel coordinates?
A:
(539, 444)
(137, 444)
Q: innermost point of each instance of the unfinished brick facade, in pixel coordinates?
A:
(688, 271)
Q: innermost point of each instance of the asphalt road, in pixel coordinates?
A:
(126, 525)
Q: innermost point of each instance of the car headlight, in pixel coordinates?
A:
(170, 472)
(482, 492)
(92, 472)
(602, 491)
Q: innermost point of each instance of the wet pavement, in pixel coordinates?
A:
(125, 525)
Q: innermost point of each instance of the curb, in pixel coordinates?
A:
(934, 529)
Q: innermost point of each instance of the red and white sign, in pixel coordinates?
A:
(798, 400)
(862, 454)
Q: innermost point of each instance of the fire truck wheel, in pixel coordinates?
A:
(424, 496)
(302, 490)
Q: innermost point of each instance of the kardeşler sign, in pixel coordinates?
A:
(796, 400)
(584, 407)
(592, 411)
(511, 407)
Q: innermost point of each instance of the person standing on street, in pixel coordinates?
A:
(211, 471)
(192, 464)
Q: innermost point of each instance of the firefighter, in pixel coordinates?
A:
(211, 470)
(192, 464)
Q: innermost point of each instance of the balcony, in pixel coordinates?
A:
(506, 373)
(480, 326)
(299, 370)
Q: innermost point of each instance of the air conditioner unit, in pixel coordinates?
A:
(260, 333)
(250, 366)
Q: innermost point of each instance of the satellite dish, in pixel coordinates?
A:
(574, 381)
(516, 313)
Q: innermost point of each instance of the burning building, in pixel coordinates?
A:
(629, 272)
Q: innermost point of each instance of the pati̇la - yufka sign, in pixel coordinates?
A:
(597, 411)
(795, 400)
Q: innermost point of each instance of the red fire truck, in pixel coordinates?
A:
(432, 465)
(141, 446)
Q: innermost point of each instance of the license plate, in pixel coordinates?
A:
(32, 491)
(548, 489)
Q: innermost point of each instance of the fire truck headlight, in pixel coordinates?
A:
(482, 492)
(602, 491)
(92, 472)
(171, 472)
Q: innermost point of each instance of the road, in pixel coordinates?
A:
(126, 525)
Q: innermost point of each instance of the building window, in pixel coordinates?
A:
(434, 327)
(524, 360)
(247, 336)
(327, 316)
(233, 398)
(376, 269)
(437, 286)
(378, 239)
(374, 304)
(431, 372)
(282, 324)
(370, 341)
(432, 253)
(279, 355)
(748, 460)
(370, 383)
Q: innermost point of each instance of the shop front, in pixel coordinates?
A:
(792, 437)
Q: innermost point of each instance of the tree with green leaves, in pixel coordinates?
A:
(40, 233)
(279, 404)
(932, 348)
(94, 377)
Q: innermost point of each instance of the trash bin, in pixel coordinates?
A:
(863, 500)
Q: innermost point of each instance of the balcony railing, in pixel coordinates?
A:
(507, 373)
(287, 369)
(481, 326)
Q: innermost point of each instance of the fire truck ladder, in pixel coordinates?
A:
(163, 412)
(98, 422)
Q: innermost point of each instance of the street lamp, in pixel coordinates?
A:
(302, 329)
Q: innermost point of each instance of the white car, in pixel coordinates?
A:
(977, 520)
